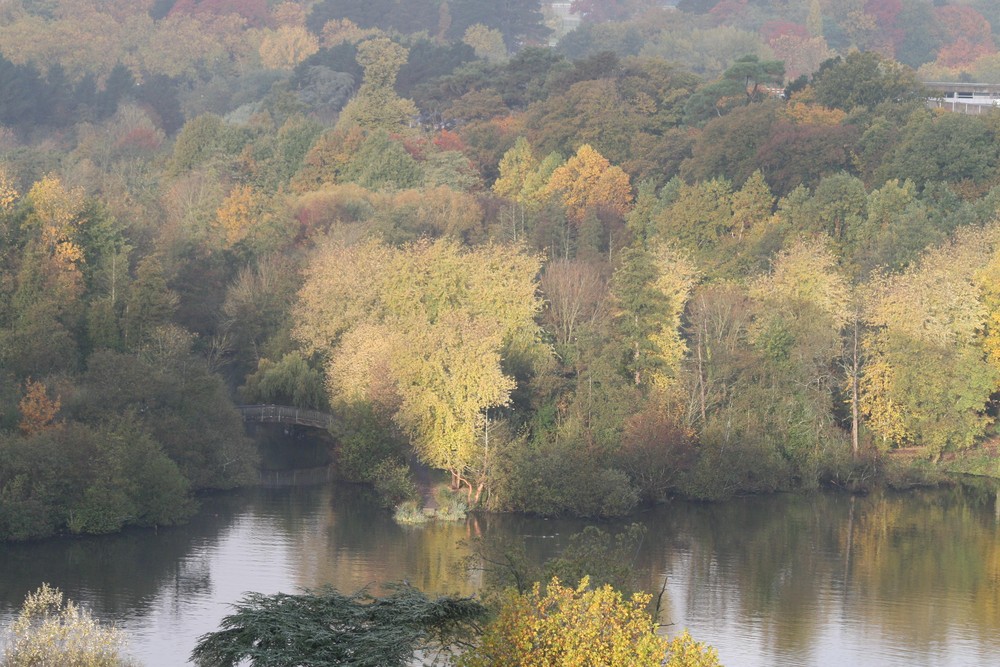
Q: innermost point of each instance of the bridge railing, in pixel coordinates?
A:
(285, 414)
(969, 108)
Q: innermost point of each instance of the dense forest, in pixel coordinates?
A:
(580, 261)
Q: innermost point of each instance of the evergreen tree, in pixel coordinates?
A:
(640, 310)
(325, 628)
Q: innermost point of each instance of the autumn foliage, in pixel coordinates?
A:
(967, 35)
(563, 626)
(38, 411)
(589, 181)
(526, 266)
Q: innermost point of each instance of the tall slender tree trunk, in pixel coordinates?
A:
(486, 460)
(855, 390)
(701, 380)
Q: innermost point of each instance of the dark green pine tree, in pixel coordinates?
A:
(22, 92)
(119, 84)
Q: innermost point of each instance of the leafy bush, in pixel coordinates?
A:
(409, 513)
(392, 483)
(561, 479)
(51, 632)
(451, 504)
(684, 651)
(365, 439)
(567, 626)
(88, 480)
(179, 402)
(656, 452)
(581, 626)
(728, 464)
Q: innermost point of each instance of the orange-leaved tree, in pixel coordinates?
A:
(38, 411)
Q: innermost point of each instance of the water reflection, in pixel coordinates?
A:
(886, 579)
(117, 574)
(352, 546)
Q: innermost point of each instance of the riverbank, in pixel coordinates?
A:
(983, 461)
(909, 469)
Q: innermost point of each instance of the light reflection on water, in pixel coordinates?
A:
(789, 581)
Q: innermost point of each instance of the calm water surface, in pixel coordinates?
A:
(881, 581)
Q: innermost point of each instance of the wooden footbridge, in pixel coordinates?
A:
(285, 414)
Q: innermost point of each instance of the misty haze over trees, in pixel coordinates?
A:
(580, 256)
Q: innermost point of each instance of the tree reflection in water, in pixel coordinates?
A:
(825, 579)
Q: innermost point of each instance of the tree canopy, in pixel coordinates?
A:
(326, 627)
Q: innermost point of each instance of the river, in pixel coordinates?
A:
(792, 580)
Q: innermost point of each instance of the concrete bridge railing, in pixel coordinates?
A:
(967, 108)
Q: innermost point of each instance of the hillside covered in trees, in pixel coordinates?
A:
(579, 262)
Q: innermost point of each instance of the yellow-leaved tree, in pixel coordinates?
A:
(8, 190)
(238, 214)
(523, 181)
(249, 217)
(341, 31)
(515, 167)
(57, 214)
(377, 106)
(929, 375)
(422, 332)
(588, 180)
(45, 302)
(486, 42)
(287, 46)
(580, 627)
(676, 277)
(801, 309)
(988, 279)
